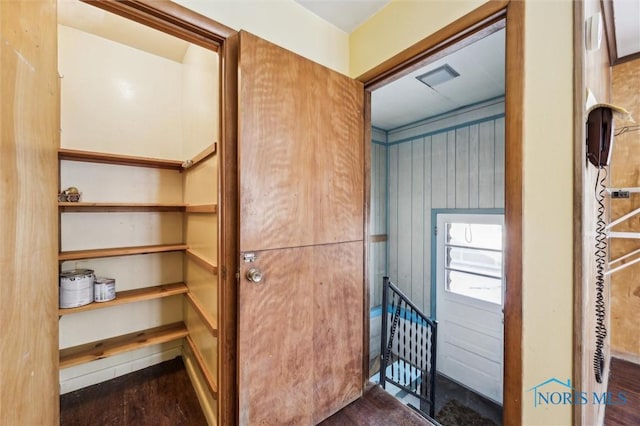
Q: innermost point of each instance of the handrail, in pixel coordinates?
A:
(416, 370)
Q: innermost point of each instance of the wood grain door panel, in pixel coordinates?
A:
(301, 150)
(301, 180)
(301, 353)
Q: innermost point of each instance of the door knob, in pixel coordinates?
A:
(254, 275)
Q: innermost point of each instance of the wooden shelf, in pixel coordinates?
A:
(203, 155)
(201, 208)
(200, 260)
(210, 322)
(208, 377)
(83, 207)
(131, 296)
(119, 251)
(105, 348)
(70, 207)
(123, 160)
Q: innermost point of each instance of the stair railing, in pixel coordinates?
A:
(408, 347)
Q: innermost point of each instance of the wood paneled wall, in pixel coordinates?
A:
(625, 288)
(451, 162)
(29, 124)
(378, 221)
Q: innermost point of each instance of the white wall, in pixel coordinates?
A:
(283, 22)
(115, 98)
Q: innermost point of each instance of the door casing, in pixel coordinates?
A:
(465, 30)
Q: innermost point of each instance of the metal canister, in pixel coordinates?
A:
(76, 288)
(104, 289)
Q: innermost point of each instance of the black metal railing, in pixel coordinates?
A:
(408, 347)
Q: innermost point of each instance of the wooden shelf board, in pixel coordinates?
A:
(79, 207)
(131, 296)
(125, 160)
(203, 155)
(200, 260)
(210, 322)
(201, 208)
(211, 383)
(119, 251)
(105, 348)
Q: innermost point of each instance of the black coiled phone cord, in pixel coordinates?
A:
(601, 259)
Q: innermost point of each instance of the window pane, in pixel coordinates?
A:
(479, 261)
(473, 260)
(483, 288)
(474, 235)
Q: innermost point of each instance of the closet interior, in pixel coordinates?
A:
(139, 183)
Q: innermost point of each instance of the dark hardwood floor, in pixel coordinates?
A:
(624, 377)
(376, 408)
(158, 395)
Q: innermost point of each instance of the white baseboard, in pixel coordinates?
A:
(95, 372)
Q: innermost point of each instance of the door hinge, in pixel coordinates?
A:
(435, 230)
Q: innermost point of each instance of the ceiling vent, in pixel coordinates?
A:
(438, 75)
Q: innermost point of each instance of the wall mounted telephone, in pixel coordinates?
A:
(599, 144)
(599, 136)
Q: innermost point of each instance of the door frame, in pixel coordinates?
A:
(467, 29)
(195, 28)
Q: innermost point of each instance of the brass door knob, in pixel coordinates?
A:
(254, 275)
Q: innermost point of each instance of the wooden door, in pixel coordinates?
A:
(301, 174)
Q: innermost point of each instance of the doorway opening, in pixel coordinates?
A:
(438, 149)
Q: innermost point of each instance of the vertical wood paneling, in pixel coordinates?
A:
(498, 195)
(451, 170)
(426, 214)
(393, 211)
(486, 165)
(438, 171)
(378, 221)
(460, 168)
(474, 182)
(404, 217)
(417, 220)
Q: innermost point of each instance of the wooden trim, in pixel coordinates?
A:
(123, 160)
(201, 208)
(170, 18)
(609, 30)
(229, 231)
(203, 155)
(202, 261)
(472, 25)
(578, 187)
(379, 238)
(131, 296)
(211, 323)
(514, 212)
(608, 19)
(119, 251)
(128, 342)
(475, 21)
(204, 370)
(84, 207)
(366, 239)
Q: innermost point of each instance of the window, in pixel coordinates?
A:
(473, 261)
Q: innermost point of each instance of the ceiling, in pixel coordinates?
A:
(92, 20)
(480, 65)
